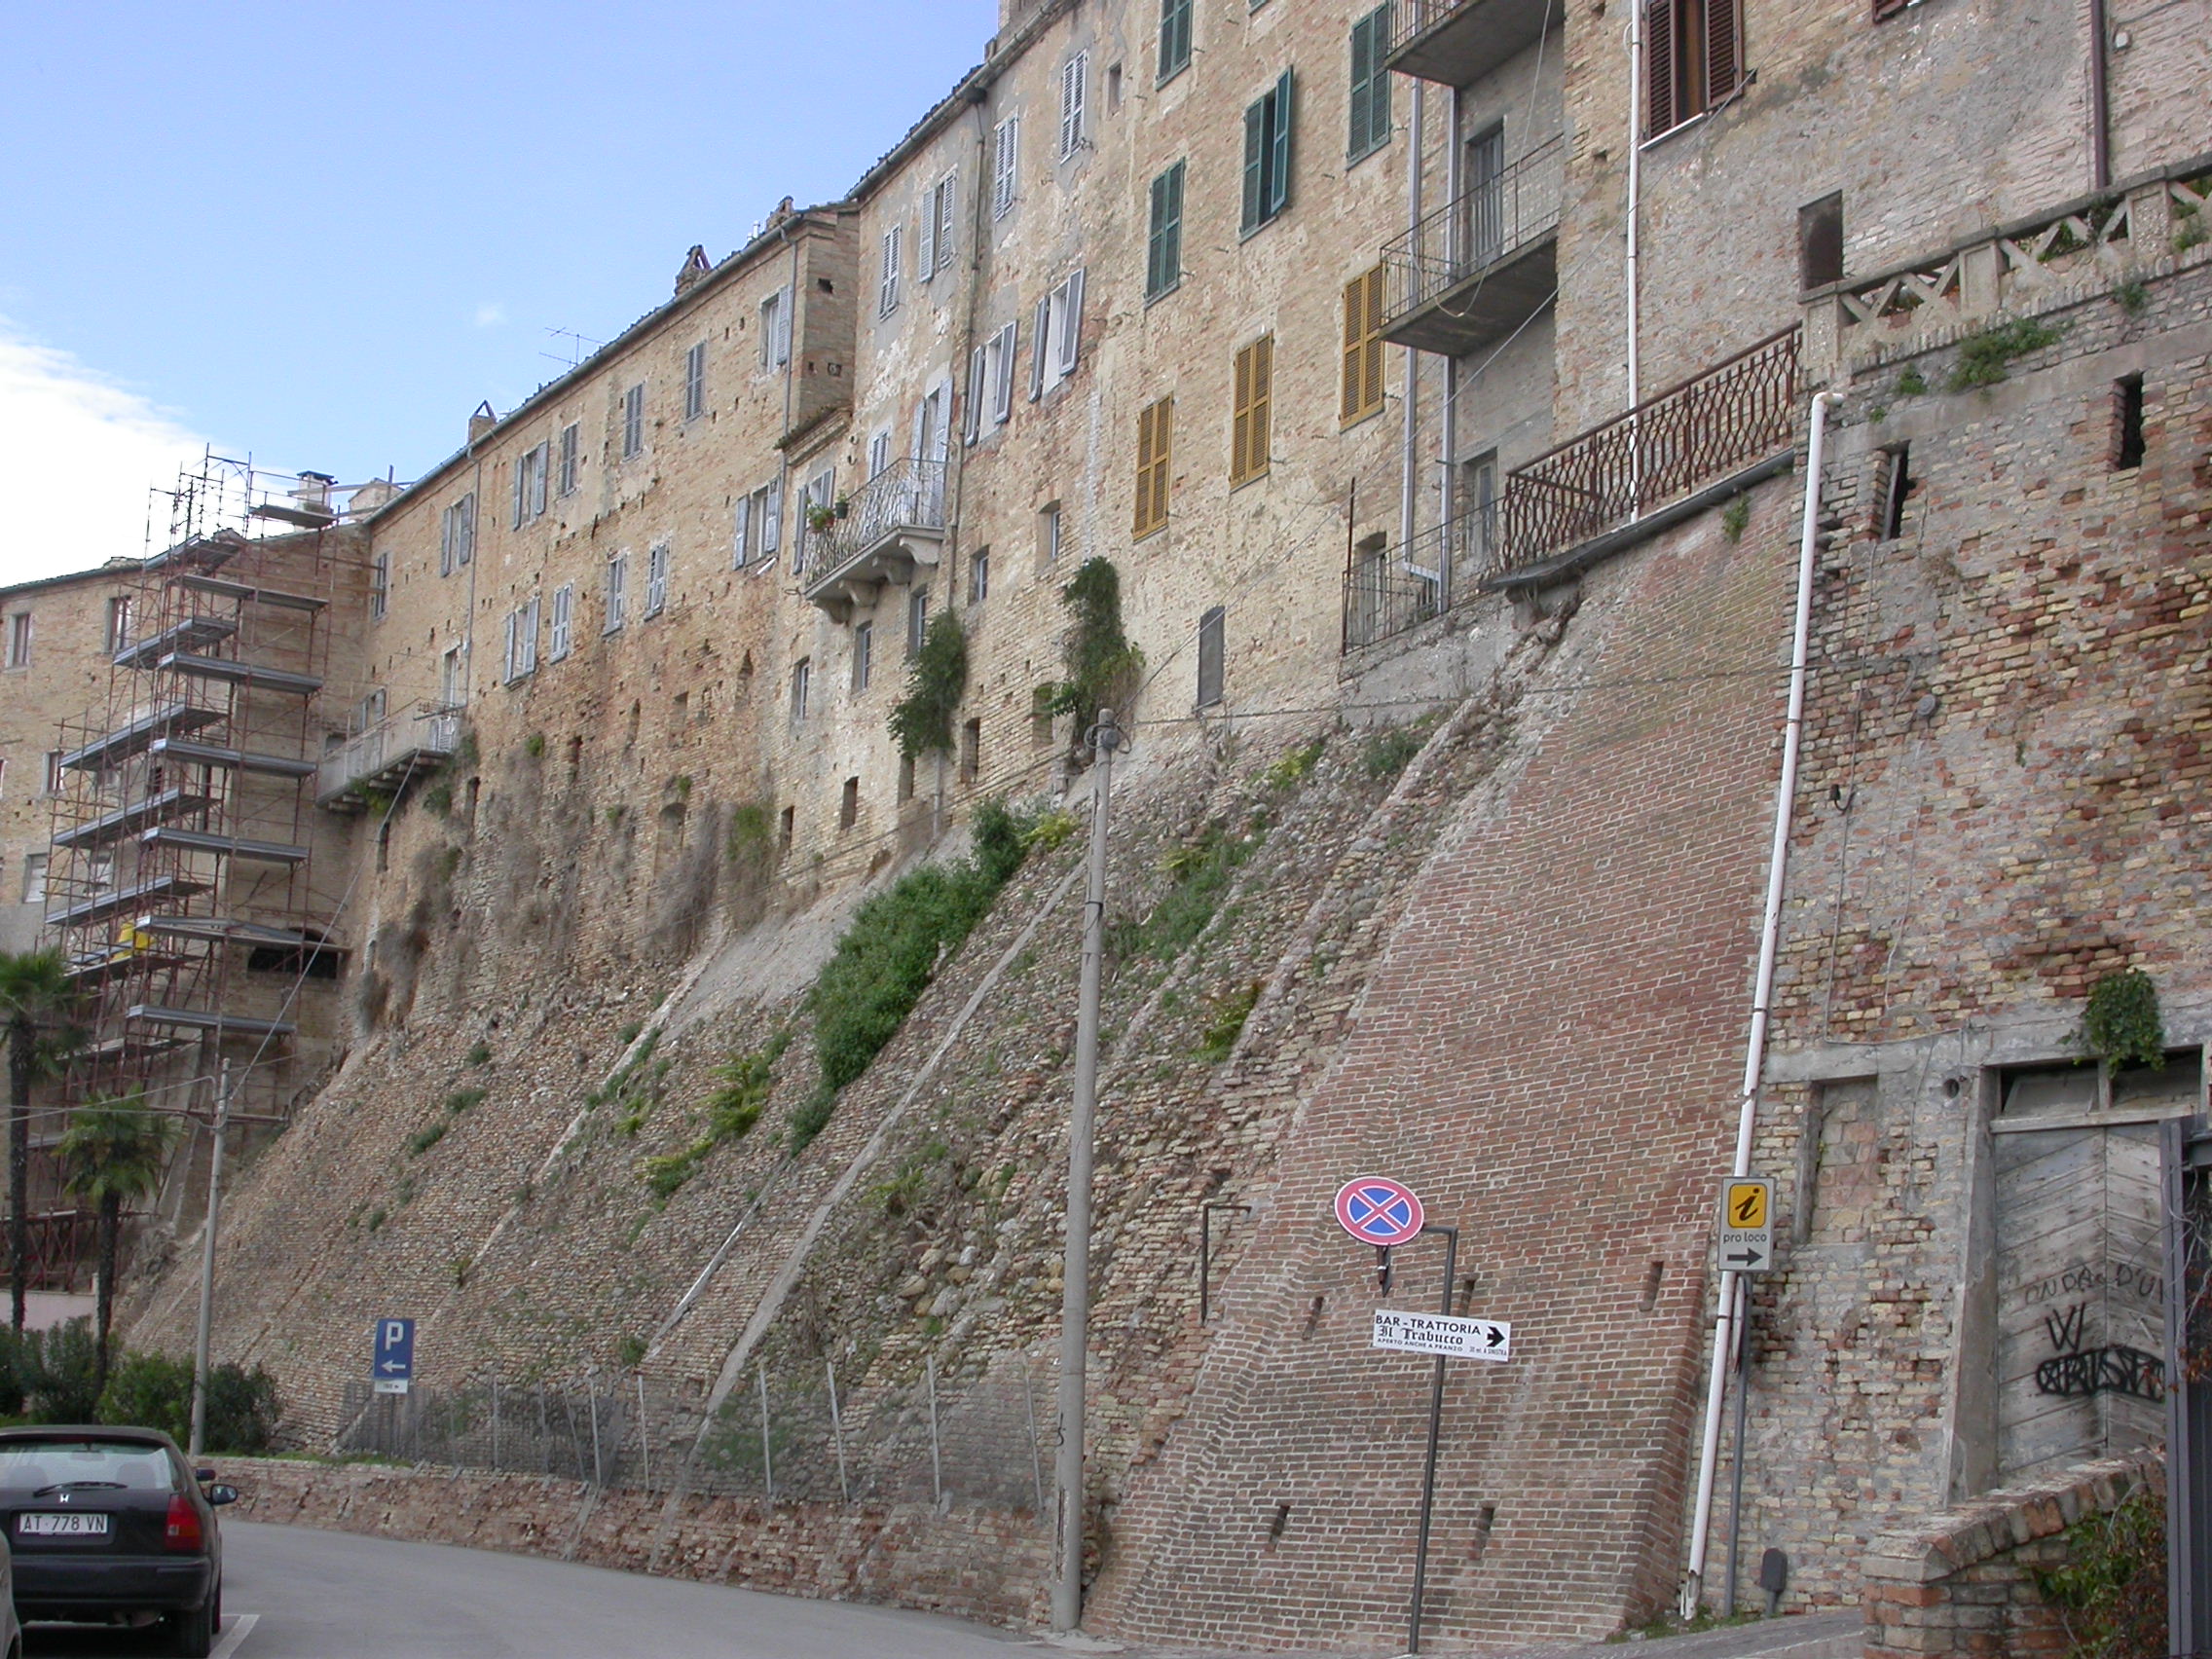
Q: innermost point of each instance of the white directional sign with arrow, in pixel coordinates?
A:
(1747, 1225)
(1444, 1335)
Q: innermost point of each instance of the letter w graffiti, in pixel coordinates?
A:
(2067, 1329)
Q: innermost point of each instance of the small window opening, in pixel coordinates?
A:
(1278, 1525)
(576, 755)
(1041, 718)
(1211, 654)
(971, 751)
(1485, 1519)
(906, 779)
(1892, 486)
(849, 808)
(1648, 1297)
(786, 829)
(1819, 242)
(2127, 422)
(383, 846)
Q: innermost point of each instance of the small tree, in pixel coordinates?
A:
(34, 994)
(113, 1154)
(922, 720)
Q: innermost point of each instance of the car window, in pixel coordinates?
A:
(27, 1466)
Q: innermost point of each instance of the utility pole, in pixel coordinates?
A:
(1075, 1287)
(207, 1264)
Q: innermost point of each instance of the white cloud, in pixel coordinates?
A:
(78, 454)
(492, 314)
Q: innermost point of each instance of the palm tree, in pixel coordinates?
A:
(113, 1154)
(34, 988)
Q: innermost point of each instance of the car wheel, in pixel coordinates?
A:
(194, 1629)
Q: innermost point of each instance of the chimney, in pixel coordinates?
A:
(482, 421)
(695, 267)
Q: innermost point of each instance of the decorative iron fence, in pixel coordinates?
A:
(978, 1441)
(1703, 430)
(1486, 221)
(1389, 592)
(908, 495)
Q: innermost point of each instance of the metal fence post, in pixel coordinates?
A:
(495, 1420)
(644, 1446)
(936, 1461)
(544, 1432)
(767, 1454)
(591, 1405)
(837, 1431)
(1036, 1458)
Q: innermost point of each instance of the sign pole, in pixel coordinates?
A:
(1075, 1280)
(1451, 1237)
(199, 1434)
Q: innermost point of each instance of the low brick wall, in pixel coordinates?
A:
(1964, 1581)
(978, 1563)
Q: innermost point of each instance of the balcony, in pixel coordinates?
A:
(1482, 265)
(1458, 42)
(1671, 457)
(893, 527)
(383, 759)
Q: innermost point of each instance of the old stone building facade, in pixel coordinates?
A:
(1436, 378)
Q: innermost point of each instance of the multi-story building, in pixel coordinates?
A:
(1395, 358)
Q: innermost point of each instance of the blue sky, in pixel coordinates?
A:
(322, 233)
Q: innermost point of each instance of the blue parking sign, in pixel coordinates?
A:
(392, 1355)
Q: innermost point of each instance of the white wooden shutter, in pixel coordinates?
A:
(772, 517)
(887, 295)
(738, 533)
(924, 256)
(1041, 342)
(1002, 372)
(1005, 166)
(1068, 345)
(972, 418)
(1074, 76)
(784, 328)
(947, 215)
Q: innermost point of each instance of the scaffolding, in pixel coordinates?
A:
(181, 883)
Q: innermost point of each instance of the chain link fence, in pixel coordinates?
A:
(951, 1436)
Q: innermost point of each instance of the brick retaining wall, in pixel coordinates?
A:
(1964, 1582)
(977, 1564)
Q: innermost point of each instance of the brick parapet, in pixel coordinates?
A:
(1965, 1581)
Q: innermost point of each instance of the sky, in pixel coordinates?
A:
(320, 234)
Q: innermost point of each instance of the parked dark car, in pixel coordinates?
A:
(111, 1526)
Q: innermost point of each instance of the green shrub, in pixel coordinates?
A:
(921, 721)
(1389, 753)
(630, 1352)
(1296, 766)
(1735, 517)
(152, 1391)
(480, 1055)
(462, 1099)
(1912, 382)
(439, 797)
(1198, 875)
(2111, 1594)
(809, 1118)
(533, 746)
(1231, 1010)
(2121, 1024)
(1051, 828)
(1102, 666)
(426, 1137)
(1984, 357)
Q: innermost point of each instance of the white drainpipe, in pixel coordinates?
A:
(1728, 1321)
(1411, 487)
(1635, 210)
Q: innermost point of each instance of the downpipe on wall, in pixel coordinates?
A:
(1728, 1319)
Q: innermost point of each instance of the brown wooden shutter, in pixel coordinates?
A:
(1240, 422)
(1262, 394)
(1370, 388)
(1140, 520)
(1356, 341)
(1723, 50)
(1163, 447)
(1658, 67)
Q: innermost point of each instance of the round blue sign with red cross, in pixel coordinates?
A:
(1378, 1211)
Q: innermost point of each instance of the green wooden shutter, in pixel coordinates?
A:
(1356, 142)
(1255, 163)
(1279, 149)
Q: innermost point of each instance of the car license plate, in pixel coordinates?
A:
(61, 1526)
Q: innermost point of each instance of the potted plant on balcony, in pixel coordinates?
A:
(844, 507)
(821, 517)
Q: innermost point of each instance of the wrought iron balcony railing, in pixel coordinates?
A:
(1390, 590)
(381, 758)
(892, 523)
(1458, 42)
(1452, 281)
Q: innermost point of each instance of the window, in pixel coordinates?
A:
(1075, 86)
(618, 590)
(1059, 335)
(917, 619)
(1267, 155)
(656, 578)
(1211, 654)
(906, 779)
(34, 878)
(887, 286)
(971, 749)
(1690, 59)
(370, 711)
(802, 676)
(1362, 390)
(380, 585)
(563, 628)
(696, 381)
(864, 657)
(1005, 164)
(849, 804)
(453, 675)
(816, 532)
(879, 454)
(1369, 84)
(990, 381)
(1892, 485)
(118, 634)
(1163, 249)
(2127, 422)
(939, 212)
(1819, 242)
(521, 643)
(1049, 534)
(53, 771)
(19, 640)
(634, 421)
(1478, 485)
(530, 485)
(571, 457)
(1248, 433)
(979, 575)
(1174, 37)
(457, 535)
(1156, 431)
(759, 524)
(776, 329)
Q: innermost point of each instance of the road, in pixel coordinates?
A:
(293, 1593)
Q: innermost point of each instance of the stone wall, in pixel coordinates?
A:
(1964, 1581)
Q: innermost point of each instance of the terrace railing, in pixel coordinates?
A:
(906, 496)
(1487, 222)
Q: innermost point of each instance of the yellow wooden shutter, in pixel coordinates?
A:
(1240, 428)
(1263, 397)
(1163, 447)
(1371, 385)
(1141, 520)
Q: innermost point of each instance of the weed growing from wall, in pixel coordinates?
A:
(1103, 668)
(887, 957)
(921, 721)
(1912, 382)
(1985, 359)
(1230, 1010)
(1389, 753)
(1198, 874)
(1735, 517)
(744, 1084)
(2122, 1025)
(1296, 766)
